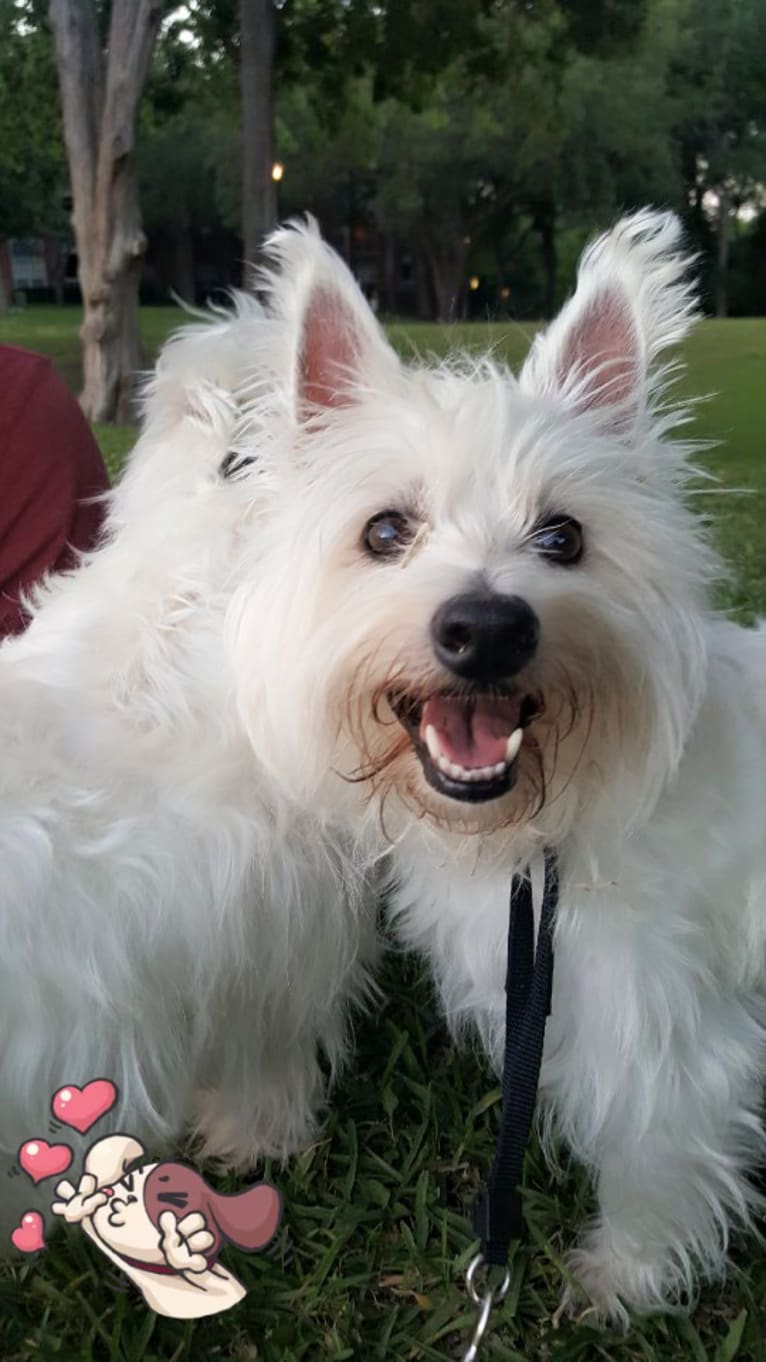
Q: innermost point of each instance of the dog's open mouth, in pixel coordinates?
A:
(468, 743)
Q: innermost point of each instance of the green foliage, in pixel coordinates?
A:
(616, 150)
(33, 176)
(333, 176)
(403, 45)
(484, 135)
(519, 119)
(188, 137)
(719, 75)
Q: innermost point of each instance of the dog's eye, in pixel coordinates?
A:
(560, 539)
(388, 534)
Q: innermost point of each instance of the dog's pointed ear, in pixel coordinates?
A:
(335, 343)
(633, 300)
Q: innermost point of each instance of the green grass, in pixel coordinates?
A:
(375, 1212)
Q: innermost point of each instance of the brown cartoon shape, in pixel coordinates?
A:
(246, 1219)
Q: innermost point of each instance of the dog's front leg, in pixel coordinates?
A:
(262, 1102)
(669, 1122)
(262, 1087)
(664, 1209)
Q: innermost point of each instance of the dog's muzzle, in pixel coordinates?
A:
(469, 738)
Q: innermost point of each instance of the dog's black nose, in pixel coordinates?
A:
(484, 636)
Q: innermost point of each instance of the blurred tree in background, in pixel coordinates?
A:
(457, 151)
(718, 72)
(103, 54)
(32, 159)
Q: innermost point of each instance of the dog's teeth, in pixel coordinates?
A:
(514, 743)
(432, 742)
(465, 774)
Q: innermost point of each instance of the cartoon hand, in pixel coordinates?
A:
(183, 1242)
(75, 1206)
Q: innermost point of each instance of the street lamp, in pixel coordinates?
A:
(277, 171)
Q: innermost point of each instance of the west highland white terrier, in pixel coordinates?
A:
(356, 619)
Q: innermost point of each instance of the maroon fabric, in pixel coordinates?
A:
(161, 1269)
(49, 466)
(248, 1219)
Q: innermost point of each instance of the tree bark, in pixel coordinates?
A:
(545, 226)
(387, 273)
(59, 272)
(446, 267)
(723, 231)
(425, 307)
(99, 98)
(183, 279)
(259, 194)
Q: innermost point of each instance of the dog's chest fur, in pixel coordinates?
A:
(650, 936)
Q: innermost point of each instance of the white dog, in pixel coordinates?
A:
(352, 615)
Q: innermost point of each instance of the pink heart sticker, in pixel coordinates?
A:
(41, 1160)
(82, 1107)
(28, 1236)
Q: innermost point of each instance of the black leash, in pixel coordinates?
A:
(497, 1216)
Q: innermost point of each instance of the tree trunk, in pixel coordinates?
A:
(723, 229)
(693, 185)
(425, 309)
(99, 97)
(447, 268)
(59, 272)
(387, 274)
(182, 269)
(259, 195)
(545, 225)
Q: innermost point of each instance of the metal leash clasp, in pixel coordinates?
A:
(491, 1297)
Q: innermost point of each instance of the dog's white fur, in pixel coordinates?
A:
(201, 776)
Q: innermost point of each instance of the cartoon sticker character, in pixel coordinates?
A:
(164, 1227)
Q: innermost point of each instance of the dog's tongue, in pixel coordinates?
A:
(472, 732)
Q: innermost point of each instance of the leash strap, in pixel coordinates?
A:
(497, 1216)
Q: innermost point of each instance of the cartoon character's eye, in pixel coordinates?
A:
(128, 1180)
(179, 1199)
(560, 539)
(387, 534)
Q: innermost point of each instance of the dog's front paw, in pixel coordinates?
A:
(235, 1140)
(597, 1298)
(615, 1277)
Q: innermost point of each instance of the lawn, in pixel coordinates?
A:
(377, 1237)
